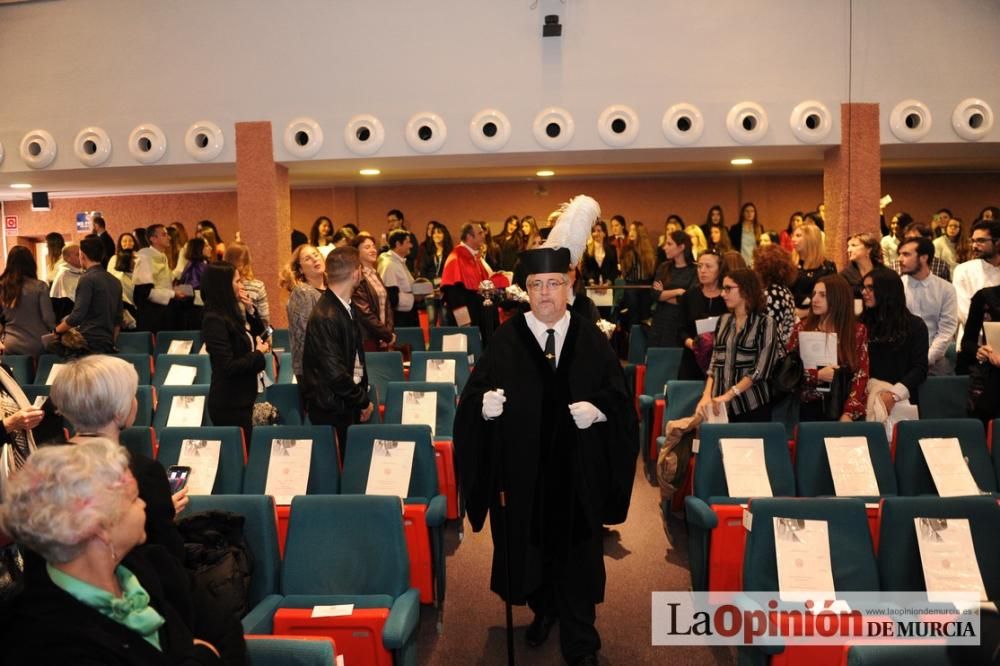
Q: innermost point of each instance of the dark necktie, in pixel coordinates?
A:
(550, 347)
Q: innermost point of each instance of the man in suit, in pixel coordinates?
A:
(107, 242)
(334, 376)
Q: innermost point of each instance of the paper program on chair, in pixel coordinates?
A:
(202, 456)
(390, 468)
(802, 553)
(420, 408)
(743, 462)
(851, 467)
(288, 469)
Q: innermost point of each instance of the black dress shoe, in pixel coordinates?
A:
(586, 660)
(538, 630)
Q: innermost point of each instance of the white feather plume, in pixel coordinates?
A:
(572, 229)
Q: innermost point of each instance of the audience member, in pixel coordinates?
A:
(206, 229)
(461, 275)
(65, 281)
(616, 232)
(714, 218)
(529, 228)
(107, 242)
(733, 261)
(600, 259)
(178, 248)
(812, 265)
(890, 241)
(321, 235)
(744, 352)
(305, 279)
(983, 270)
(863, 254)
(511, 243)
(431, 259)
(922, 230)
(27, 309)
(698, 243)
(795, 221)
(335, 379)
(578, 301)
(97, 311)
(394, 220)
(831, 310)
(940, 221)
(701, 302)
(672, 279)
(638, 263)
(930, 298)
(54, 244)
(238, 255)
(397, 279)
(952, 246)
(744, 234)
(371, 299)
(490, 251)
(18, 419)
(154, 291)
(989, 214)
(672, 224)
(140, 238)
(187, 315)
(122, 268)
(985, 307)
(234, 347)
(773, 264)
(718, 240)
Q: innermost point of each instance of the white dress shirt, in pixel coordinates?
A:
(968, 278)
(394, 273)
(933, 300)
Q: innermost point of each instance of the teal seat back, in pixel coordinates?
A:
(135, 342)
(285, 398)
(201, 362)
(144, 410)
(44, 368)
(261, 532)
(142, 365)
(164, 399)
(682, 398)
(418, 366)
(637, 343)
(851, 555)
(360, 441)
(344, 545)
(280, 340)
(899, 555)
(139, 440)
(384, 367)
(897, 655)
(663, 364)
(812, 466)
(446, 396)
(944, 397)
(912, 474)
(995, 447)
(285, 650)
(324, 470)
(22, 368)
(164, 338)
(229, 476)
(710, 475)
(285, 374)
(411, 335)
(475, 344)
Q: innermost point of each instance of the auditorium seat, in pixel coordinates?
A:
(140, 440)
(201, 363)
(912, 474)
(411, 335)
(637, 341)
(287, 400)
(418, 366)
(135, 342)
(285, 374)
(143, 364)
(43, 370)
(232, 453)
(164, 338)
(145, 400)
(384, 367)
(424, 513)
(280, 340)
(22, 367)
(347, 550)
(662, 365)
(296, 650)
(944, 397)
(474, 346)
(715, 517)
(164, 400)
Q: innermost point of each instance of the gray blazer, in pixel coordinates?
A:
(29, 320)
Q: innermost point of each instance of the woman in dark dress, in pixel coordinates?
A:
(812, 265)
(236, 353)
(672, 279)
(699, 303)
(600, 259)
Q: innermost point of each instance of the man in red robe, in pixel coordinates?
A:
(463, 271)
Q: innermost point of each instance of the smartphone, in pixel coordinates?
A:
(177, 475)
(266, 335)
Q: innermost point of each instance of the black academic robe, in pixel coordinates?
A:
(562, 483)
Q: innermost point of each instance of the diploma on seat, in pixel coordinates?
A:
(180, 346)
(706, 325)
(948, 467)
(180, 375)
(202, 456)
(53, 373)
(456, 342)
(818, 350)
(948, 558)
(851, 466)
(390, 469)
(420, 408)
(288, 469)
(441, 370)
(186, 411)
(743, 462)
(802, 553)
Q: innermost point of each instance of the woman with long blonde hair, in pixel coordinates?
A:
(305, 278)
(638, 261)
(812, 264)
(238, 255)
(698, 243)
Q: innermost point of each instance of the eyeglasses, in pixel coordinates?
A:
(981, 241)
(551, 285)
(868, 287)
(726, 288)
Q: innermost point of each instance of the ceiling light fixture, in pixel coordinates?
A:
(545, 173)
(741, 161)
(20, 186)
(370, 172)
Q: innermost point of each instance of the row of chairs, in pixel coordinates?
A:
(714, 515)
(859, 565)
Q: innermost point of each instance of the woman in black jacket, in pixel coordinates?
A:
(236, 353)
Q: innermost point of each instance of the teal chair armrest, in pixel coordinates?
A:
(659, 442)
(261, 619)
(699, 513)
(748, 605)
(403, 618)
(436, 511)
(646, 401)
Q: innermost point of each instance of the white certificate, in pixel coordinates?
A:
(602, 297)
(712, 417)
(851, 466)
(456, 342)
(743, 462)
(802, 552)
(53, 373)
(288, 469)
(420, 408)
(180, 347)
(991, 329)
(948, 558)
(440, 370)
(818, 350)
(186, 411)
(706, 325)
(948, 467)
(202, 456)
(389, 472)
(461, 315)
(180, 375)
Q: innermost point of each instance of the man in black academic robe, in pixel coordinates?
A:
(551, 424)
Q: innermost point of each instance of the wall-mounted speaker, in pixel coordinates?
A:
(40, 201)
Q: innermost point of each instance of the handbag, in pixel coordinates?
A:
(983, 401)
(840, 388)
(786, 379)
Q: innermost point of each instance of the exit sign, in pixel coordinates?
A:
(10, 225)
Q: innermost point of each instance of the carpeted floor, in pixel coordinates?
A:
(638, 560)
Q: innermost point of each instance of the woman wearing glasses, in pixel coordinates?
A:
(745, 348)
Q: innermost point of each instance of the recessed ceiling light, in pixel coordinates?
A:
(20, 186)
(545, 173)
(370, 172)
(741, 161)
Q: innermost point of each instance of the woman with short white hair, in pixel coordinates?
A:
(79, 508)
(96, 394)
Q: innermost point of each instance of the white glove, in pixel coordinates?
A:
(585, 414)
(493, 404)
